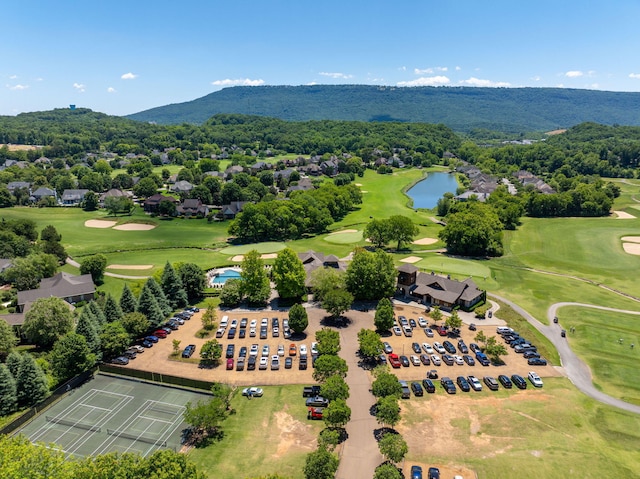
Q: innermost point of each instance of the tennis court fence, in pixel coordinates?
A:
(156, 377)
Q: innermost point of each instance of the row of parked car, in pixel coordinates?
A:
(425, 354)
(467, 383)
(522, 346)
(314, 402)
(261, 357)
(232, 328)
(161, 332)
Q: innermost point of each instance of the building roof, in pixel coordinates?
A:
(312, 260)
(4, 264)
(62, 285)
(73, 194)
(408, 268)
(444, 288)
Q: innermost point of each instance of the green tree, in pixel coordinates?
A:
(388, 410)
(337, 301)
(97, 312)
(481, 338)
(337, 414)
(324, 280)
(158, 294)
(289, 275)
(14, 360)
(145, 187)
(172, 287)
(377, 231)
(371, 275)
(495, 350)
(95, 266)
(47, 321)
(148, 305)
(298, 318)
(175, 344)
(402, 230)
(393, 447)
(384, 317)
(386, 384)
(112, 311)
(31, 382)
(329, 365)
(328, 341)
(255, 283)
(209, 317)
(321, 464)
(71, 356)
(90, 202)
(334, 388)
(22, 460)
(167, 208)
(474, 230)
(206, 416)
(54, 248)
(49, 233)
(135, 324)
(436, 314)
(211, 351)
(453, 321)
(114, 339)
(329, 438)
(387, 471)
(8, 392)
(88, 327)
(168, 464)
(231, 293)
(370, 343)
(128, 302)
(8, 340)
(193, 280)
(26, 273)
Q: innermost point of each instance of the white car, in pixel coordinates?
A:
(254, 350)
(458, 359)
(252, 332)
(422, 322)
(474, 382)
(234, 323)
(265, 350)
(280, 350)
(253, 392)
(535, 379)
(426, 347)
(435, 359)
(264, 362)
(428, 332)
(264, 322)
(387, 347)
(137, 348)
(253, 323)
(314, 348)
(275, 362)
(303, 349)
(285, 324)
(438, 347)
(415, 360)
(223, 322)
(397, 331)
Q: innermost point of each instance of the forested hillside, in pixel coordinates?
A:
(460, 108)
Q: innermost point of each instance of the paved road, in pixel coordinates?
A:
(576, 370)
(360, 455)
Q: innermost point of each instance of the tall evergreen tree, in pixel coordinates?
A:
(8, 391)
(31, 381)
(173, 288)
(112, 310)
(97, 312)
(71, 356)
(89, 328)
(128, 301)
(14, 360)
(157, 292)
(148, 306)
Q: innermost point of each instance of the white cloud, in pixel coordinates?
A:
(536, 78)
(458, 68)
(238, 81)
(594, 86)
(111, 90)
(342, 76)
(79, 86)
(473, 81)
(634, 75)
(39, 79)
(311, 83)
(13, 77)
(129, 76)
(402, 69)
(426, 71)
(426, 81)
(17, 87)
(574, 74)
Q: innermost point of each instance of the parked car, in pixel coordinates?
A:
(254, 350)
(505, 381)
(232, 333)
(303, 349)
(275, 362)
(253, 392)
(422, 322)
(288, 363)
(417, 389)
(146, 343)
(220, 333)
(458, 360)
(448, 385)
(251, 363)
(120, 360)
(230, 363)
(281, 350)
(469, 360)
(263, 333)
(160, 333)
(231, 349)
(491, 383)
(475, 383)
(415, 360)
(243, 323)
(264, 363)
(130, 353)
(483, 359)
(387, 347)
(137, 348)
(428, 332)
(475, 348)
(463, 384)
(531, 354)
(427, 348)
(252, 332)
(447, 359)
(416, 348)
(188, 351)
(408, 332)
(253, 323)
(439, 348)
(435, 359)
(519, 381)
(434, 473)
(293, 350)
(521, 348)
(537, 362)
(404, 361)
(406, 392)
(462, 347)
(412, 323)
(302, 362)
(316, 401)
(428, 386)
(442, 331)
(394, 360)
(397, 331)
(243, 352)
(451, 349)
(416, 472)
(472, 327)
(432, 374)
(425, 359)
(275, 332)
(314, 413)
(265, 350)
(240, 364)
(535, 379)
(151, 338)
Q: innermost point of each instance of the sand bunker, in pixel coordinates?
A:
(631, 239)
(134, 227)
(343, 231)
(239, 257)
(425, 241)
(100, 223)
(410, 259)
(130, 266)
(624, 216)
(632, 248)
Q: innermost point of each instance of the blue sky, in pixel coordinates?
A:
(121, 57)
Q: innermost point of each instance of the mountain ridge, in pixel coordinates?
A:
(461, 108)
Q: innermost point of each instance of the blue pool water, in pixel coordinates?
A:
(426, 193)
(224, 276)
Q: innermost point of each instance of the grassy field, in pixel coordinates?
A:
(266, 435)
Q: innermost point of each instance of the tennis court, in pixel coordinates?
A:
(108, 414)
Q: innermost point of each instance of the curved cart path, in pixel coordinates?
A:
(73, 262)
(576, 370)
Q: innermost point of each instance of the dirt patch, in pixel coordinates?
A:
(130, 266)
(100, 224)
(20, 147)
(410, 259)
(134, 227)
(425, 241)
(631, 248)
(343, 231)
(293, 434)
(631, 239)
(555, 132)
(621, 215)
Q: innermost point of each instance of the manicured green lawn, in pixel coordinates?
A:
(266, 247)
(344, 238)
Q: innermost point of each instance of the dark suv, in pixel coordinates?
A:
(448, 385)
(188, 351)
(519, 381)
(417, 389)
(505, 381)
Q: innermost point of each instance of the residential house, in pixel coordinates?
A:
(437, 290)
(192, 207)
(152, 203)
(73, 197)
(303, 185)
(182, 187)
(114, 193)
(43, 192)
(233, 170)
(229, 212)
(312, 260)
(5, 263)
(12, 186)
(286, 173)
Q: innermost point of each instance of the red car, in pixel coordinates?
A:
(442, 331)
(394, 360)
(230, 363)
(160, 333)
(314, 413)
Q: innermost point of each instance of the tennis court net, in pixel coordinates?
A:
(167, 410)
(67, 422)
(137, 437)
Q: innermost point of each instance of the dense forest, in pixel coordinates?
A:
(464, 109)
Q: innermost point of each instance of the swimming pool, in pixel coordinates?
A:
(223, 276)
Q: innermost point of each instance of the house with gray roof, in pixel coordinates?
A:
(43, 192)
(192, 207)
(73, 197)
(312, 260)
(182, 186)
(15, 185)
(5, 263)
(433, 289)
(65, 286)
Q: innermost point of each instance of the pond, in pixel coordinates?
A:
(427, 192)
